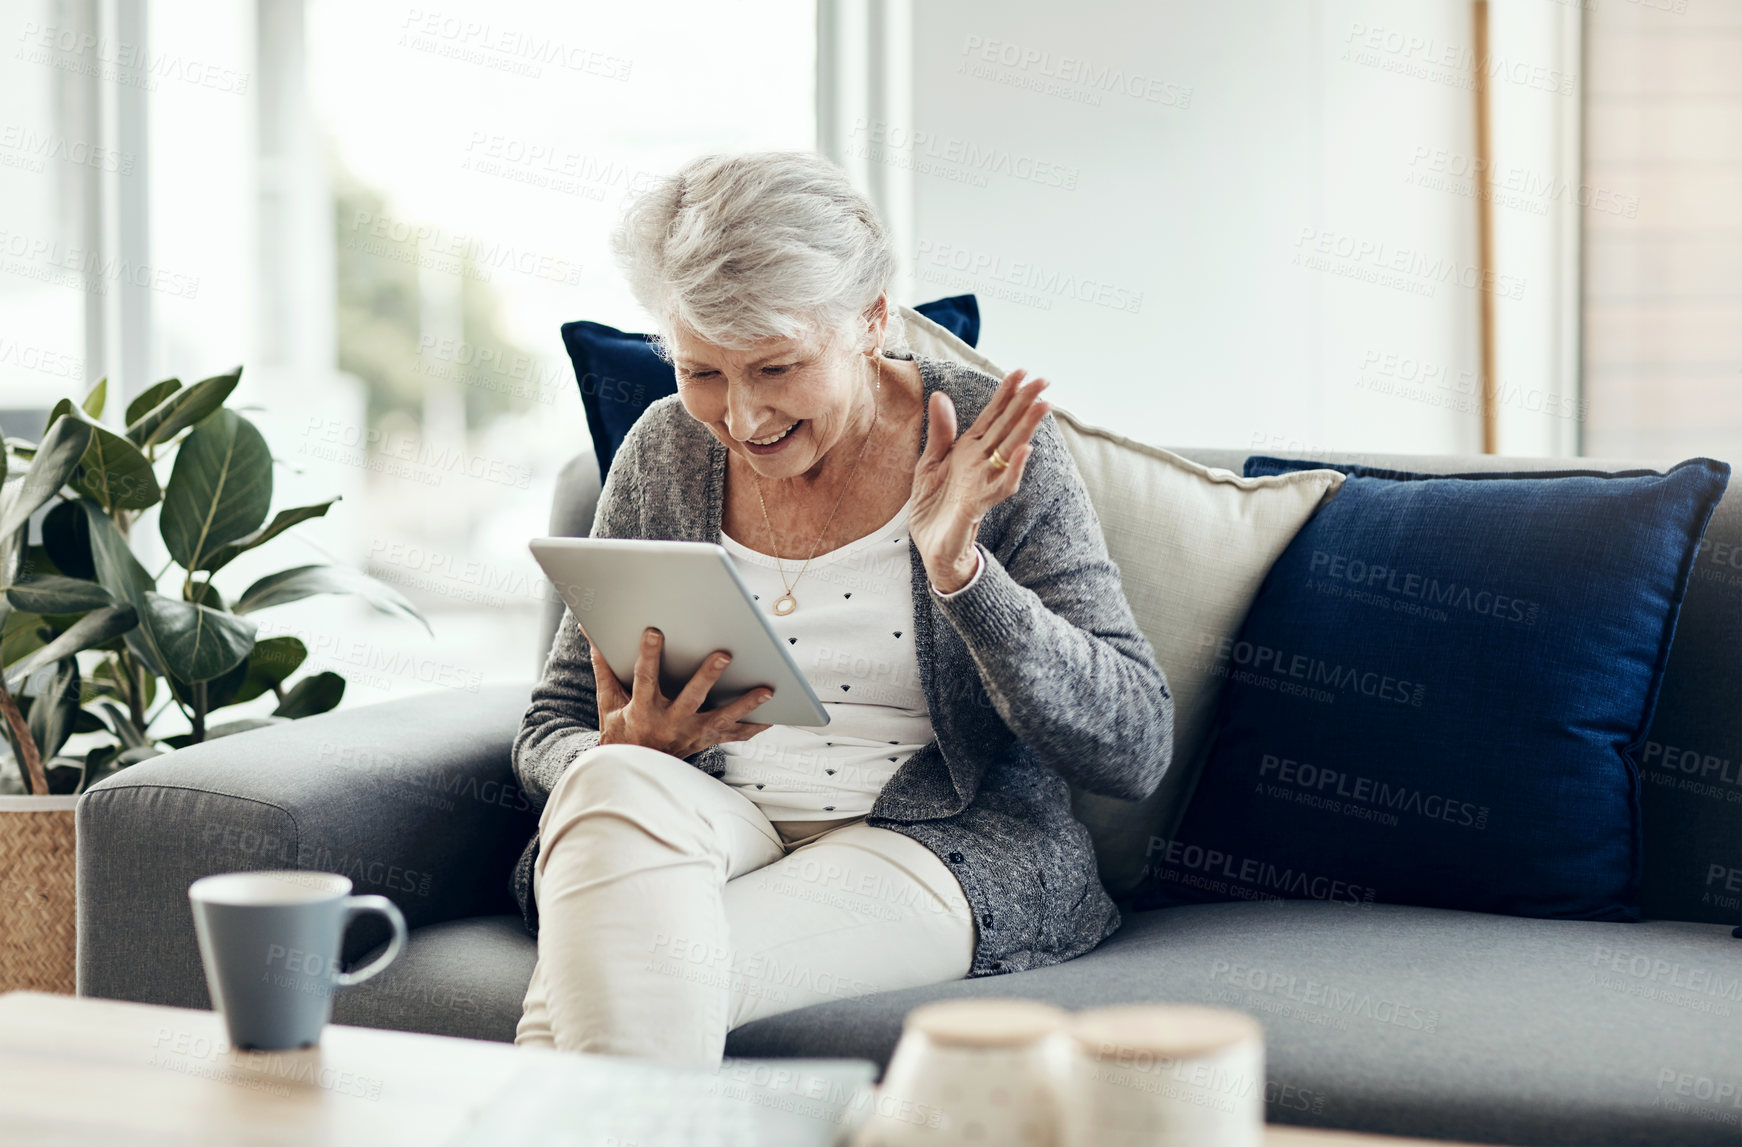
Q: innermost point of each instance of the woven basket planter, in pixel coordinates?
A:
(37, 884)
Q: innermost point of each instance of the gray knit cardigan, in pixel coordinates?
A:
(1036, 675)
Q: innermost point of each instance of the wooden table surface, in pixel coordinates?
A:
(101, 1072)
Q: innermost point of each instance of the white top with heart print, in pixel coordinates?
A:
(852, 637)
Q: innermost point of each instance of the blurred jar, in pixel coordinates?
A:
(1156, 1075)
(987, 1073)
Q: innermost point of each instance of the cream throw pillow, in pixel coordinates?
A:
(933, 341)
(1192, 544)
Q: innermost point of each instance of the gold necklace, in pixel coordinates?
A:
(786, 603)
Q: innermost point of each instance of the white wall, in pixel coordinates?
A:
(1275, 260)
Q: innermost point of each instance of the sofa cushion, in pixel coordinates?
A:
(1406, 1021)
(620, 376)
(1440, 692)
(1192, 545)
(462, 978)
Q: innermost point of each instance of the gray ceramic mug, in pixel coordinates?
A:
(270, 944)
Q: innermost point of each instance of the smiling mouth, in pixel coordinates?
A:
(773, 438)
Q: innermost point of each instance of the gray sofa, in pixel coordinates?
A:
(1391, 1019)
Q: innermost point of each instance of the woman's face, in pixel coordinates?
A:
(799, 398)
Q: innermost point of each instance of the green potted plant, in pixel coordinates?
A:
(83, 592)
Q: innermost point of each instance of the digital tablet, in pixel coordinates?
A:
(690, 592)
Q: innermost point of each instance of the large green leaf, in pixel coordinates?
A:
(53, 709)
(56, 459)
(37, 562)
(97, 763)
(93, 403)
(197, 642)
(313, 694)
(273, 659)
(227, 729)
(52, 463)
(219, 490)
(55, 594)
(121, 574)
(111, 470)
(66, 540)
(220, 690)
(123, 726)
(181, 409)
(115, 567)
(281, 521)
(11, 548)
(21, 634)
(105, 681)
(34, 564)
(148, 398)
(305, 581)
(95, 627)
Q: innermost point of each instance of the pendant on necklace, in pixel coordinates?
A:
(785, 604)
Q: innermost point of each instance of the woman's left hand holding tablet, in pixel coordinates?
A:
(678, 725)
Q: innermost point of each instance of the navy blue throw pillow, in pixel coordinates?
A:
(620, 376)
(1440, 694)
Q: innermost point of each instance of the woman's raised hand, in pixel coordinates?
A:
(679, 726)
(958, 480)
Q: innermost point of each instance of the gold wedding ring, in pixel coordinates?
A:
(998, 462)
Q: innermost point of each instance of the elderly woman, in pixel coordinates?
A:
(948, 594)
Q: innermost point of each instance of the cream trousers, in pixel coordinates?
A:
(671, 910)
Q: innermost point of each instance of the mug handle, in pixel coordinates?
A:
(355, 906)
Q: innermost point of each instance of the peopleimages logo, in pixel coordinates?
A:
(1434, 384)
(383, 236)
(1309, 671)
(876, 138)
(1723, 874)
(1425, 58)
(81, 52)
(1673, 974)
(1326, 783)
(82, 269)
(518, 51)
(1344, 1001)
(1210, 864)
(1692, 762)
(1090, 79)
(22, 147)
(1431, 590)
(1511, 186)
(1046, 282)
(1416, 268)
(1705, 1087)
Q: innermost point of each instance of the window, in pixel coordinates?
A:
(477, 160)
(1663, 229)
(52, 160)
(385, 213)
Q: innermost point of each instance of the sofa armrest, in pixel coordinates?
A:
(412, 798)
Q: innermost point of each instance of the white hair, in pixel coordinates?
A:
(759, 245)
